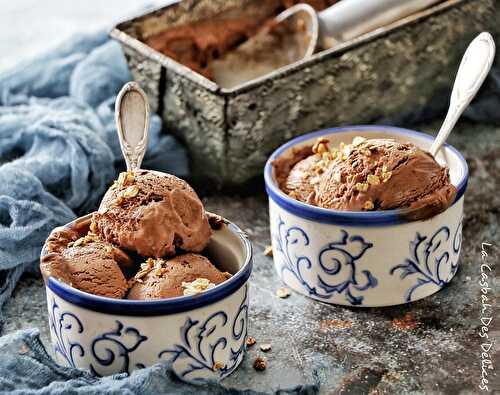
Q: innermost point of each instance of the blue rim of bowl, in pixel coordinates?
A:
(161, 306)
(353, 218)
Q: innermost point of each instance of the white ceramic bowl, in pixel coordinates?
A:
(365, 258)
(203, 335)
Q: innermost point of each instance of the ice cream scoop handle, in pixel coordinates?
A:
(473, 70)
(132, 123)
(348, 19)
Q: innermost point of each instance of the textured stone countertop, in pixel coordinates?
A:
(430, 346)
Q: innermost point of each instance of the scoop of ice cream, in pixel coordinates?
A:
(304, 175)
(86, 263)
(383, 174)
(375, 174)
(182, 275)
(303, 179)
(153, 214)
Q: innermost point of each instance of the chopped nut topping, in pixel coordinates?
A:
(320, 146)
(197, 286)
(259, 364)
(386, 176)
(108, 249)
(119, 200)
(361, 186)
(268, 251)
(365, 152)
(218, 365)
(131, 191)
(93, 227)
(373, 179)
(283, 292)
(89, 238)
(126, 178)
(384, 169)
(368, 205)
(147, 266)
(358, 140)
(250, 341)
(337, 176)
(266, 347)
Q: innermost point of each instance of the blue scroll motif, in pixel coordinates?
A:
(338, 262)
(428, 260)
(201, 342)
(118, 343)
(457, 239)
(62, 324)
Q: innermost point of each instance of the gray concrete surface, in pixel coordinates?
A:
(428, 347)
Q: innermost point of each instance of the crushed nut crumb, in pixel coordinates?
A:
(197, 286)
(361, 186)
(126, 178)
(268, 250)
(283, 293)
(386, 176)
(89, 238)
(119, 200)
(373, 179)
(218, 365)
(337, 176)
(260, 364)
(250, 341)
(266, 347)
(320, 146)
(368, 205)
(131, 191)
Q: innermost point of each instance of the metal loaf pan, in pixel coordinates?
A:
(387, 73)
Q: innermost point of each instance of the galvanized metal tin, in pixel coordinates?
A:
(384, 74)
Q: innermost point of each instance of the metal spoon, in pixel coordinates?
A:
(132, 123)
(348, 19)
(473, 70)
(298, 31)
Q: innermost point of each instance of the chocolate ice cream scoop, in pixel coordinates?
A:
(381, 174)
(153, 214)
(185, 274)
(86, 263)
(147, 212)
(375, 174)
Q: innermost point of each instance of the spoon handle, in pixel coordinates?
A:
(473, 70)
(348, 19)
(132, 123)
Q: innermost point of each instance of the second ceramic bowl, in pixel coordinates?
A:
(202, 335)
(365, 258)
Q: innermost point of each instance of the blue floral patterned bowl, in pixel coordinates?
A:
(366, 259)
(203, 335)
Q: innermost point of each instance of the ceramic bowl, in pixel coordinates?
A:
(203, 335)
(365, 259)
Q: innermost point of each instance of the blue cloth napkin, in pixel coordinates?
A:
(58, 154)
(23, 352)
(58, 145)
